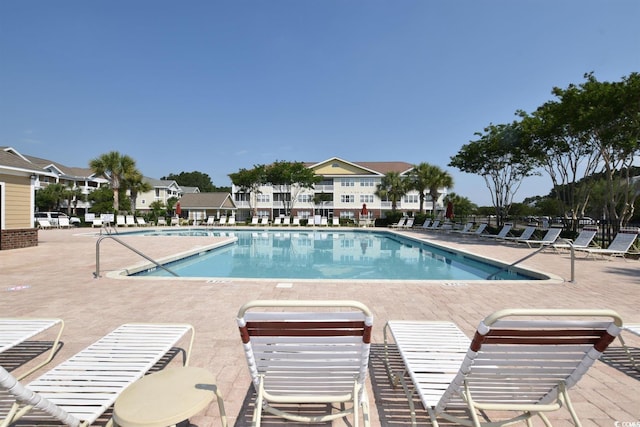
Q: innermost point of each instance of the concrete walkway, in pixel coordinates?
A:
(55, 279)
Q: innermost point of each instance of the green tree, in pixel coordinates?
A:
(437, 179)
(101, 200)
(136, 184)
(193, 179)
(419, 176)
(503, 158)
(393, 187)
(118, 168)
(290, 178)
(249, 181)
(463, 206)
(50, 197)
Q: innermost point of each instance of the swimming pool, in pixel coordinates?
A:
(329, 254)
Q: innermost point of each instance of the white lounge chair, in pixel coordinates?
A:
(255, 220)
(121, 221)
(465, 229)
(478, 231)
(296, 221)
(324, 222)
(335, 221)
(141, 222)
(211, 221)
(310, 353)
(409, 222)
(401, 222)
(63, 222)
(16, 331)
(525, 235)
(277, 221)
(425, 225)
(286, 221)
(549, 238)
(584, 239)
(521, 363)
(44, 224)
(130, 220)
(504, 231)
(161, 222)
(97, 222)
(79, 390)
(222, 220)
(231, 221)
(619, 247)
(175, 221)
(264, 221)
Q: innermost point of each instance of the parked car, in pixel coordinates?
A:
(585, 220)
(52, 217)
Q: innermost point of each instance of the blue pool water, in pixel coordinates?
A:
(329, 254)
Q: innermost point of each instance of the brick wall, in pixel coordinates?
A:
(19, 238)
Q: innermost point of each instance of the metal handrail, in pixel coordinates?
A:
(573, 258)
(96, 274)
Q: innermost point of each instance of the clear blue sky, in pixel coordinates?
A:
(215, 86)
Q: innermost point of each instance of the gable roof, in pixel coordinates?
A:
(11, 159)
(368, 168)
(207, 201)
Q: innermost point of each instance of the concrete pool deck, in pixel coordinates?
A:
(55, 279)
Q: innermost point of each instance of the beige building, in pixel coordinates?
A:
(344, 189)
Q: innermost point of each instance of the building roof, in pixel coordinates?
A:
(207, 201)
(10, 158)
(381, 168)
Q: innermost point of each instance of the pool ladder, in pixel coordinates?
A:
(96, 274)
(540, 249)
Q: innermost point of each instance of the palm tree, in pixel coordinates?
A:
(118, 167)
(392, 187)
(419, 177)
(437, 179)
(136, 185)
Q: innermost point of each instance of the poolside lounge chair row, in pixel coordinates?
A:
(520, 362)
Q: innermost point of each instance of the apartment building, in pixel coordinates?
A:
(343, 191)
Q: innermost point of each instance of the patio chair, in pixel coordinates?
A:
(222, 220)
(478, 231)
(141, 222)
(425, 225)
(79, 390)
(335, 221)
(296, 221)
(525, 235)
(277, 221)
(264, 221)
(312, 353)
(120, 221)
(324, 221)
(549, 238)
(465, 229)
(401, 222)
(17, 331)
(44, 224)
(520, 363)
(504, 231)
(211, 221)
(409, 223)
(255, 220)
(64, 222)
(175, 221)
(130, 221)
(584, 239)
(161, 221)
(619, 247)
(231, 221)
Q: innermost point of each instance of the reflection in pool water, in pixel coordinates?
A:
(330, 254)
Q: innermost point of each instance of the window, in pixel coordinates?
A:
(347, 198)
(347, 214)
(367, 182)
(242, 197)
(366, 198)
(347, 182)
(304, 198)
(261, 198)
(410, 198)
